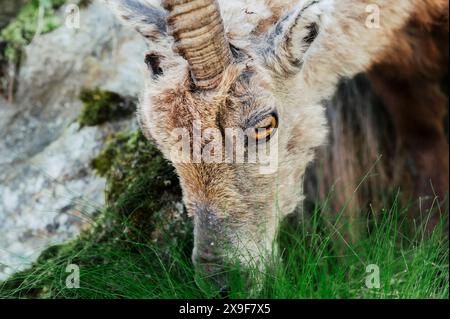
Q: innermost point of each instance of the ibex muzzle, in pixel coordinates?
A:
(208, 254)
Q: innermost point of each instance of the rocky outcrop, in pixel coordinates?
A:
(48, 192)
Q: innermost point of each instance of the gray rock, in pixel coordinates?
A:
(48, 192)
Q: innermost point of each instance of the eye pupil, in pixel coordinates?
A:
(264, 132)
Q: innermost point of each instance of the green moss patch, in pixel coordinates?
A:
(142, 187)
(103, 106)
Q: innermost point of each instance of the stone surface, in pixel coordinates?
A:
(48, 192)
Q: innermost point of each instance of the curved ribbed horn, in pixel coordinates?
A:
(198, 29)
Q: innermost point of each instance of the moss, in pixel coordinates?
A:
(84, 3)
(142, 186)
(127, 158)
(103, 106)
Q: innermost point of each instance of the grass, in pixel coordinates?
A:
(312, 266)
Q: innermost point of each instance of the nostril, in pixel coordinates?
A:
(208, 256)
(207, 259)
(208, 262)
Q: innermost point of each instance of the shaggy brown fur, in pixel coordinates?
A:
(408, 78)
(400, 113)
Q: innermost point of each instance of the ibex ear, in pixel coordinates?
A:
(292, 37)
(143, 15)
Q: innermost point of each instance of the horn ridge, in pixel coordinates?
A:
(199, 34)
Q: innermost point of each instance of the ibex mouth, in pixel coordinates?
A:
(211, 270)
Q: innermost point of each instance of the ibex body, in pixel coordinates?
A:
(264, 66)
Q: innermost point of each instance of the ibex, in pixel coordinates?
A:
(263, 66)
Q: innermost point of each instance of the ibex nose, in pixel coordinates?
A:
(209, 244)
(206, 260)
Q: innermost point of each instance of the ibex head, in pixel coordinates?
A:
(209, 74)
(201, 78)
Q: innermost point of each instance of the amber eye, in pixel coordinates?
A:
(265, 128)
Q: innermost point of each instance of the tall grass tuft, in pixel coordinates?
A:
(316, 262)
